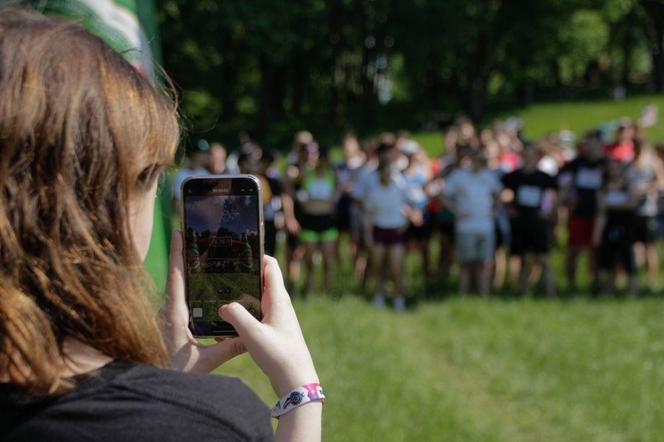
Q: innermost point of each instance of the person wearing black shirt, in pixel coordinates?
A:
(126, 401)
(532, 194)
(82, 355)
(615, 236)
(579, 181)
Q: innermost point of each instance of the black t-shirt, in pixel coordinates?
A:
(136, 402)
(529, 189)
(587, 178)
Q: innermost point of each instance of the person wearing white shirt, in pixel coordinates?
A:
(471, 193)
(388, 208)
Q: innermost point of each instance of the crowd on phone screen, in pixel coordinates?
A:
(492, 200)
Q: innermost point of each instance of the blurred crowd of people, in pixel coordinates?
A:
(492, 202)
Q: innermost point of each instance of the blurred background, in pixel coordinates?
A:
(271, 67)
(270, 87)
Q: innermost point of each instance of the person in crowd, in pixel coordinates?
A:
(472, 194)
(659, 151)
(622, 148)
(82, 356)
(246, 146)
(346, 175)
(317, 198)
(275, 201)
(196, 164)
(297, 162)
(647, 174)
(492, 151)
(418, 234)
(530, 195)
(579, 182)
(361, 222)
(216, 163)
(389, 211)
(440, 216)
(466, 134)
(614, 236)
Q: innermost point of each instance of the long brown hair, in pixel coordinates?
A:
(81, 134)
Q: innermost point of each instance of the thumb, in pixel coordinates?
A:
(215, 355)
(238, 316)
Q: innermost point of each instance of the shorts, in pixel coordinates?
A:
(418, 233)
(530, 235)
(613, 253)
(447, 230)
(344, 213)
(581, 231)
(318, 228)
(475, 247)
(388, 237)
(645, 229)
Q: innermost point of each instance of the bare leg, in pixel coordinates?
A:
(524, 274)
(395, 255)
(328, 248)
(500, 268)
(547, 275)
(570, 266)
(377, 257)
(514, 264)
(592, 264)
(464, 277)
(309, 250)
(652, 263)
(484, 277)
(633, 285)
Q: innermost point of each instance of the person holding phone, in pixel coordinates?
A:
(84, 138)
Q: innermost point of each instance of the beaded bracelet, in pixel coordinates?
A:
(298, 397)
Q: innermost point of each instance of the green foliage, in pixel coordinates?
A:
(273, 67)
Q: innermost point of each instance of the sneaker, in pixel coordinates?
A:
(379, 301)
(399, 304)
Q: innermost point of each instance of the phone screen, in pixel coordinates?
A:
(222, 250)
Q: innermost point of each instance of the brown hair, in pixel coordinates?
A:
(81, 134)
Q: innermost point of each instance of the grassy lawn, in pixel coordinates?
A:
(468, 369)
(578, 116)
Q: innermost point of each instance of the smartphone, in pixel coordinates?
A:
(222, 219)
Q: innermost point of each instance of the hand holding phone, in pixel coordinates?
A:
(187, 354)
(276, 345)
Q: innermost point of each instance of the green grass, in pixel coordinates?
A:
(578, 116)
(467, 369)
(470, 369)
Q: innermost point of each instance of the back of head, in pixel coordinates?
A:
(82, 134)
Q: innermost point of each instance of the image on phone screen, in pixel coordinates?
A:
(222, 252)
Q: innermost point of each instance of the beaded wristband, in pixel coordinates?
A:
(298, 397)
